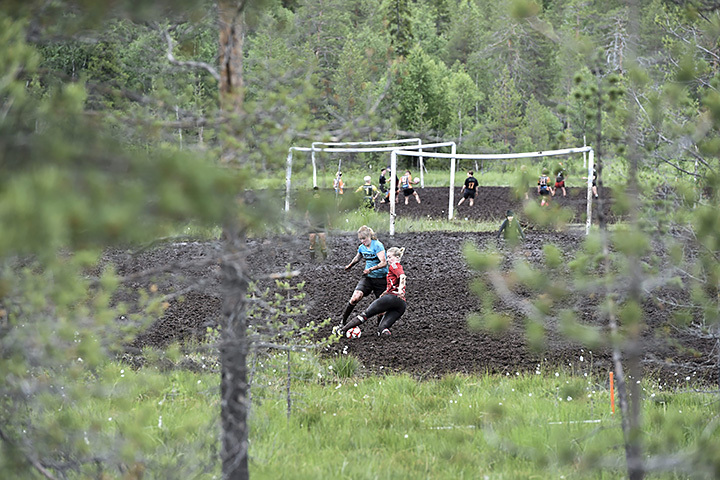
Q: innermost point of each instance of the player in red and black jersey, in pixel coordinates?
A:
(392, 301)
(469, 189)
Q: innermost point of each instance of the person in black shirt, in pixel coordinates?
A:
(382, 185)
(559, 180)
(469, 189)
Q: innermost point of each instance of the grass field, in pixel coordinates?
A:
(550, 424)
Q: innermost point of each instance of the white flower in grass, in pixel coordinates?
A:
(557, 374)
(569, 398)
(406, 435)
(530, 394)
(687, 378)
(582, 359)
(338, 386)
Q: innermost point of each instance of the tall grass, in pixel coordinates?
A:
(547, 424)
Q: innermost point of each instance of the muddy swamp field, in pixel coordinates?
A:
(432, 338)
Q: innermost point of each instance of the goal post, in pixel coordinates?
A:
(363, 145)
(340, 147)
(422, 154)
(464, 156)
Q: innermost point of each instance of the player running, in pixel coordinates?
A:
(469, 189)
(560, 181)
(373, 279)
(392, 301)
(543, 188)
(406, 185)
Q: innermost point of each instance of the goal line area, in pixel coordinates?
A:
(340, 147)
(453, 157)
(413, 147)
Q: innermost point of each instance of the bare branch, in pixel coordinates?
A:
(190, 63)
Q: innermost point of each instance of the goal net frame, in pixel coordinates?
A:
(343, 147)
(405, 151)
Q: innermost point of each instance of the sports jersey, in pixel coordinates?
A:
(369, 191)
(405, 182)
(471, 183)
(371, 258)
(393, 279)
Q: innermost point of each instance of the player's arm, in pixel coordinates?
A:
(502, 227)
(354, 261)
(401, 285)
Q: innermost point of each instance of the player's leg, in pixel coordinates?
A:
(363, 288)
(312, 246)
(323, 244)
(397, 309)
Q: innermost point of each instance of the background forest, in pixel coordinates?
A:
(493, 76)
(123, 124)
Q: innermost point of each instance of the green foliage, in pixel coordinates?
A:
(508, 426)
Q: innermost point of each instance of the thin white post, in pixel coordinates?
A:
(288, 175)
(591, 167)
(451, 202)
(422, 167)
(312, 157)
(393, 176)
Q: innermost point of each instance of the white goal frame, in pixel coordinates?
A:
(342, 147)
(454, 156)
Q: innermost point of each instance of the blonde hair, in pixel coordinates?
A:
(396, 252)
(366, 231)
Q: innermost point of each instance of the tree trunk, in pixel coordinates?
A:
(232, 36)
(233, 356)
(233, 341)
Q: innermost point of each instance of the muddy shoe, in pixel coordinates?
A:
(385, 332)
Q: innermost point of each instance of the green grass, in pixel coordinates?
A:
(550, 424)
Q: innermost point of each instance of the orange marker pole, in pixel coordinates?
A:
(612, 393)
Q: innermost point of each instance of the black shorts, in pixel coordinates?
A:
(408, 191)
(467, 193)
(544, 191)
(369, 285)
